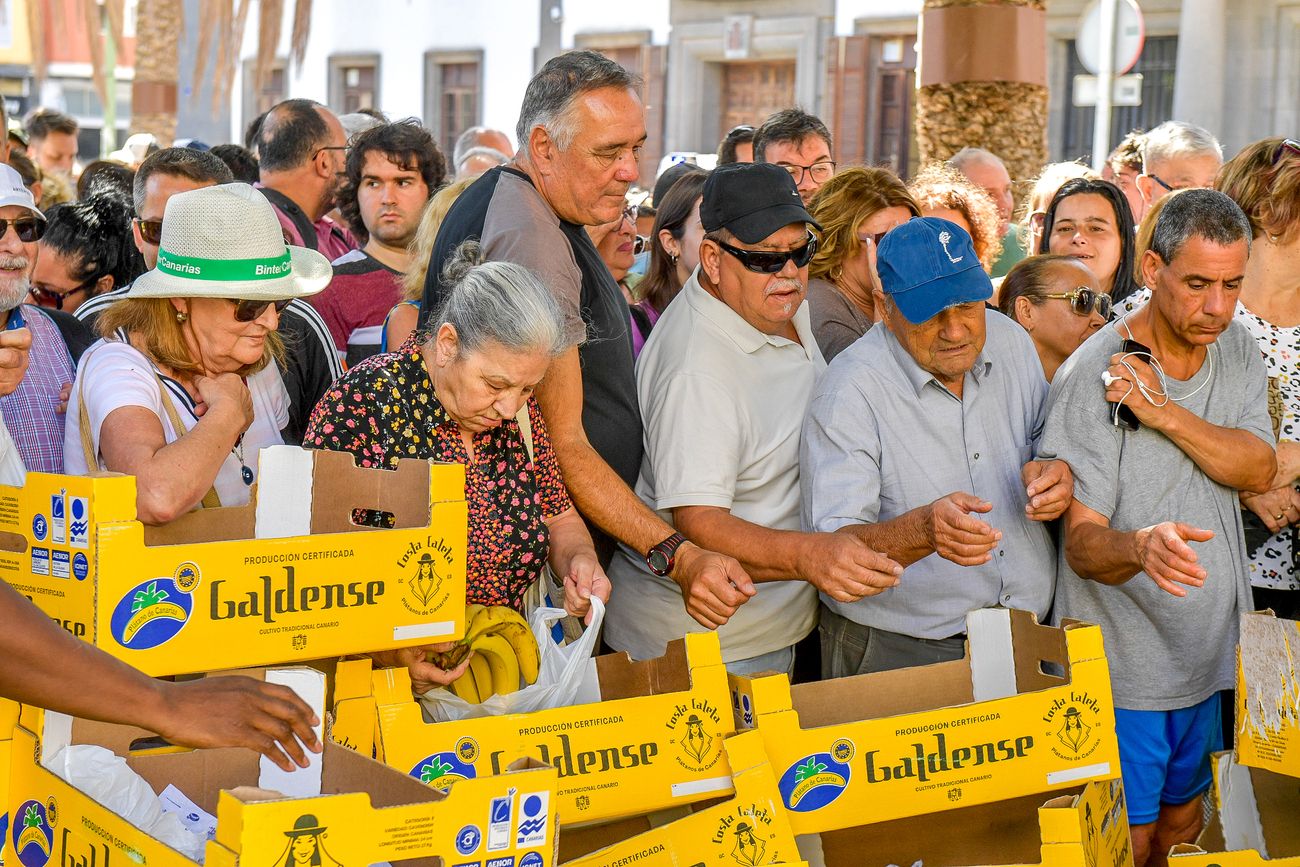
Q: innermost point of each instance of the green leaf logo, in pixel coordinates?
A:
(148, 597)
(808, 769)
(434, 770)
(31, 818)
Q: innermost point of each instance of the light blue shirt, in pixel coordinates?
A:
(883, 437)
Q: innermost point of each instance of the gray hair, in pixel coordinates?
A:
(501, 302)
(969, 156)
(481, 151)
(1175, 139)
(467, 140)
(549, 99)
(1207, 214)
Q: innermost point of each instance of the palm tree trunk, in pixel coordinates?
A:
(1008, 118)
(159, 25)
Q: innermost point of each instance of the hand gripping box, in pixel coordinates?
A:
(366, 813)
(1268, 693)
(1254, 823)
(748, 828)
(649, 738)
(287, 577)
(1084, 827)
(1027, 710)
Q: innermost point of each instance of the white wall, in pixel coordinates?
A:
(847, 11)
(602, 16)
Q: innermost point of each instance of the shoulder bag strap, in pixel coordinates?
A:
(210, 499)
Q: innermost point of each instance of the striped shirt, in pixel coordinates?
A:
(31, 412)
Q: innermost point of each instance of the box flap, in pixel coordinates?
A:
(284, 492)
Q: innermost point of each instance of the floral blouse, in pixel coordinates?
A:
(384, 409)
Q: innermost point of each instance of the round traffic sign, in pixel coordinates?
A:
(1130, 33)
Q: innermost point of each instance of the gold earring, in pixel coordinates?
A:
(181, 317)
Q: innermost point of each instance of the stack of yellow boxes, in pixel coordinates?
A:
(287, 579)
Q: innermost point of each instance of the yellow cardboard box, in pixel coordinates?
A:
(1268, 693)
(1086, 827)
(990, 726)
(749, 828)
(1256, 820)
(287, 577)
(8, 722)
(367, 814)
(650, 738)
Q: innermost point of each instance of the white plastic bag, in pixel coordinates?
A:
(106, 777)
(562, 678)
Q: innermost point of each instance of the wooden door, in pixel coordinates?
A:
(752, 91)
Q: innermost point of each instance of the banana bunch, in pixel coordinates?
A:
(504, 652)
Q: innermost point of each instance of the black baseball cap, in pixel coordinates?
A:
(751, 201)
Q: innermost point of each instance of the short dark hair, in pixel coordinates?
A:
(789, 124)
(94, 235)
(42, 121)
(737, 135)
(408, 145)
(1029, 279)
(1198, 213)
(23, 165)
(105, 173)
(290, 134)
(1122, 284)
(240, 160)
(179, 162)
(251, 131)
(1128, 153)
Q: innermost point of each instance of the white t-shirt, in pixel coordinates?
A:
(722, 405)
(115, 374)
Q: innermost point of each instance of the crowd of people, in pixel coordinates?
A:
(821, 409)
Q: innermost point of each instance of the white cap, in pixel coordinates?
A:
(12, 191)
(135, 149)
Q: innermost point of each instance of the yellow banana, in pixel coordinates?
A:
(501, 660)
(524, 644)
(481, 674)
(473, 611)
(464, 687)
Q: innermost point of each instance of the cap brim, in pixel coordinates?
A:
(761, 224)
(311, 273)
(20, 202)
(923, 303)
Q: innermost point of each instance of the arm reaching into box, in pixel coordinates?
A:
(41, 664)
(573, 557)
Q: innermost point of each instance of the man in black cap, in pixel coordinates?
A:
(723, 385)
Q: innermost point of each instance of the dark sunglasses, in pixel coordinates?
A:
(150, 230)
(28, 230)
(247, 311)
(47, 297)
(1083, 301)
(771, 261)
(1287, 145)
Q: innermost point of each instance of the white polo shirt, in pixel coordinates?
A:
(722, 405)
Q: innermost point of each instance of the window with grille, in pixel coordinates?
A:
(1157, 65)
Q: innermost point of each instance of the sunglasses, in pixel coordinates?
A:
(28, 230)
(47, 297)
(772, 261)
(1287, 145)
(640, 244)
(150, 231)
(1083, 301)
(247, 311)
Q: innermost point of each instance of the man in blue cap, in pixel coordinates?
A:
(920, 441)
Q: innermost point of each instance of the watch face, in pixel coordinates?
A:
(658, 561)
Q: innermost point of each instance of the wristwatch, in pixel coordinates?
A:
(662, 557)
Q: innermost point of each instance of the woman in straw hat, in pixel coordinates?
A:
(181, 392)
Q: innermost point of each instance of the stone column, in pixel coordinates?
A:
(1202, 64)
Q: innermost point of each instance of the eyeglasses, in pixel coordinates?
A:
(1083, 301)
(1287, 145)
(772, 261)
(150, 231)
(28, 230)
(821, 172)
(344, 148)
(640, 244)
(248, 310)
(47, 297)
(1157, 179)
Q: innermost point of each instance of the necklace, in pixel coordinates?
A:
(245, 472)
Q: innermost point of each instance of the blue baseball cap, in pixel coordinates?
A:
(928, 265)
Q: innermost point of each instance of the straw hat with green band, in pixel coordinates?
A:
(225, 242)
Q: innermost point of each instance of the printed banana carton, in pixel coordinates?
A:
(748, 828)
(8, 722)
(1085, 827)
(1268, 693)
(649, 738)
(287, 577)
(1254, 822)
(367, 813)
(990, 726)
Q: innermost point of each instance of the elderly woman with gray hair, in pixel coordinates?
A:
(461, 392)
